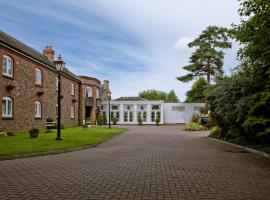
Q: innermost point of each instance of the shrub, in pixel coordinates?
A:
(196, 117)
(49, 119)
(192, 126)
(140, 120)
(10, 134)
(157, 120)
(114, 120)
(3, 134)
(104, 121)
(61, 126)
(100, 120)
(215, 132)
(34, 132)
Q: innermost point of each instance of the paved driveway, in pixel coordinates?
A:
(145, 163)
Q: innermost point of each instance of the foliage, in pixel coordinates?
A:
(49, 119)
(104, 121)
(72, 138)
(215, 132)
(159, 95)
(114, 120)
(3, 134)
(100, 120)
(196, 117)
(157, 120)
(197, 92)
(140, 120)
(207, 59)
(192, 126)
(61, 126)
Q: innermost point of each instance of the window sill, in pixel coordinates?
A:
(38, 118)
(38, 85)
(7, 118)
(8, 77)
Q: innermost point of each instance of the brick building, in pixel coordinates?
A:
(28, 89)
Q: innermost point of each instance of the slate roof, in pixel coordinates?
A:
(23, 48)
(130, 99)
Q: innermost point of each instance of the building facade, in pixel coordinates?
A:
(28, 89)
(127, 110)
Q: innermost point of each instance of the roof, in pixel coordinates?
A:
(23, 48)
(130, 99)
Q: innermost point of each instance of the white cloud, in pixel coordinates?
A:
(182, 43)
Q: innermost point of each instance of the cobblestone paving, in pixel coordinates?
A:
(145, 163)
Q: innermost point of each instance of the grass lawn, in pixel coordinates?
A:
(72, 137)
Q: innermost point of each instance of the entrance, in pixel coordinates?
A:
(88, 111)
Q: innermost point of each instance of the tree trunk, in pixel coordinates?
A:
(208, 80)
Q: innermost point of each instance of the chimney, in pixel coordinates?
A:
(49, 52)
(106, 85)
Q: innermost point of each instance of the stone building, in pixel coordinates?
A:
(28, 89)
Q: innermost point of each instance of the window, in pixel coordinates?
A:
(7, 66)
(7, 105)
(114, 107)
(72, 89)
(56, 84)
(130, 116)
(97, 93)
(72, 112)
(144, 116)
(125, 116)
(38, 79)
(37, 109)
(155, 107)
(88, 92)
(153, 116)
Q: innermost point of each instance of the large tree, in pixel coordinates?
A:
(197, 94)
(207, 59)
(159, 95)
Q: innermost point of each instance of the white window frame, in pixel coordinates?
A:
(38, 74)
(72, 89)
(5, 105)
(38, 109)
(87, 89)
(97, 93)
(6, 66)
(72, 112)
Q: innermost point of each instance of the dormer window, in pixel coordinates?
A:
(7, 66)
(88, 92)
(38, 77)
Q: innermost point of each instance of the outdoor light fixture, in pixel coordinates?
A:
(59, 64)
(109, 93)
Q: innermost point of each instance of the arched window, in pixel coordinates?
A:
(7, 107)
(88, 92)
(72, 89)
(7, 66)
(38, 77)
(37, 109)
(97, 93)
(72, 112)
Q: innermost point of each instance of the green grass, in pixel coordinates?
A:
(72, 138)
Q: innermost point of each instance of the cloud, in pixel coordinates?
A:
(182, 43)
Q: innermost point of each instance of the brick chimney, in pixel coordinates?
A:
(49, 52)
(106, 84)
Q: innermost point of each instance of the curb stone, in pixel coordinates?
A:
(53, 152)
(263, 154)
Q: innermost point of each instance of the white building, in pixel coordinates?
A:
(127, 110)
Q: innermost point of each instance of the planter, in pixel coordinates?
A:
(34, 133)
(50, 125)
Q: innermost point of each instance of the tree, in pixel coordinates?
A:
(207, 59)
(197, 92)
(159, 95)
(171, 97)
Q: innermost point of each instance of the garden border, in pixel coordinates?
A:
(261, 153)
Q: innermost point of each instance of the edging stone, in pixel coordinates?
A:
(261, 153)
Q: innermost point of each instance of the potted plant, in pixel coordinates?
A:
(140, 120)
(114, 120)
(157, 120)
(88, 122)
(50, 124)
(34, 132)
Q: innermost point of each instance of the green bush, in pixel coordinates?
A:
(114, 120)
(49, 119)
(140, 120)
(61, 126)
(3, 134)
(192, 126)
(100, 120)
(104, 121)
(157, 120)
(196, 117)
(215, 132)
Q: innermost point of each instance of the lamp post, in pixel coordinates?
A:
(109, 93)
(59, 64)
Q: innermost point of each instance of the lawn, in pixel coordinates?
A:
(72, 138)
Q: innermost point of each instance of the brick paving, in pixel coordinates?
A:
(145, 163)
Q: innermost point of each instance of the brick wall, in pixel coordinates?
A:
(25, 92)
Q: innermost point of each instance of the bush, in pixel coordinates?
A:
(114, 120)
(215, 132)
(104, 121)
(140, 120)
(49, 119)
(192, 126)
(100, 120)
(61, 126)
(10, 134)
(3, 134)
(34, 132)
(157, 120)
(196, 117)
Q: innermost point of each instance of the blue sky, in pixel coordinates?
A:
(136, 44)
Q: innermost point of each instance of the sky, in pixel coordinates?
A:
(135, 44)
